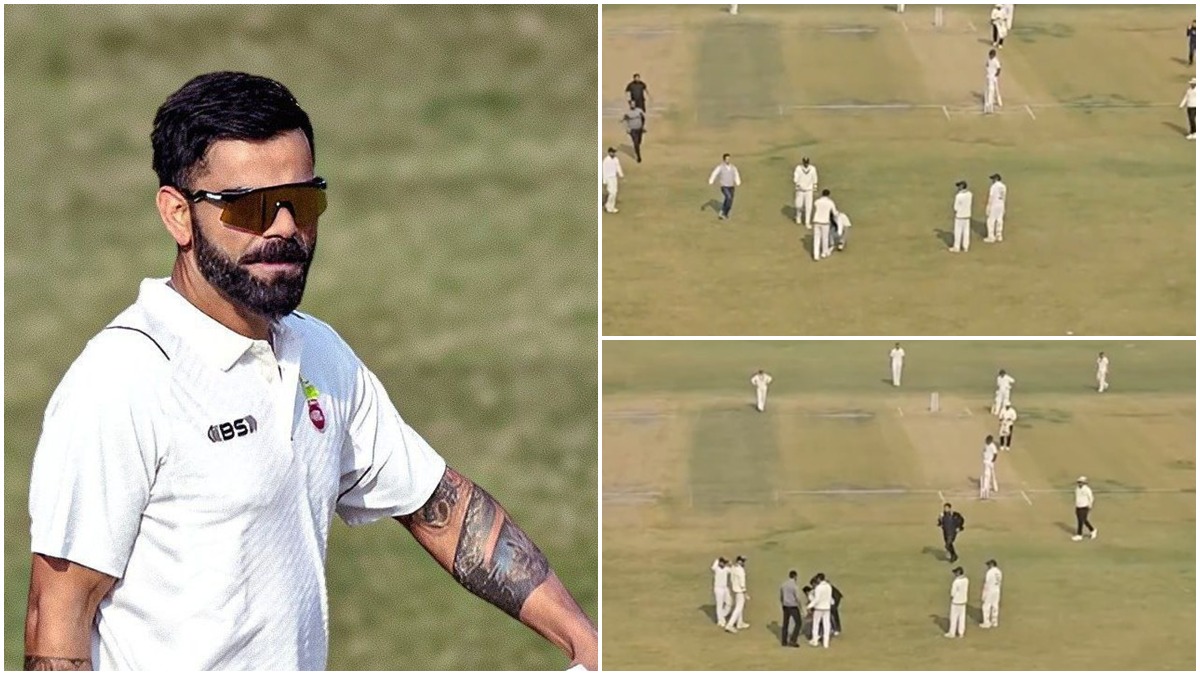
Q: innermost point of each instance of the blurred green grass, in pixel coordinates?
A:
(457, 257)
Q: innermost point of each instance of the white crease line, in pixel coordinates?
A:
(1030, 111)
(904, 24)
(972, 26)
(945, 112)
(969, 413)
(900, 411)
(1027, 500)
(941, 497)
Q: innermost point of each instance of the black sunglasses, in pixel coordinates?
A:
(254, 210)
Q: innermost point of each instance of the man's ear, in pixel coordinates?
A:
(175, 211)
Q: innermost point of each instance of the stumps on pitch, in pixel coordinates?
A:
(935, 403)
(937, 17)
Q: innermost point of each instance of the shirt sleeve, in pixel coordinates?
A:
(97, 457)
(388, 469)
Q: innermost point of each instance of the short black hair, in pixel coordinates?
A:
(946, 505)
(220, 106)
(612, 150)
(792, 574)
(807, 589)
(725, 156)
(825, 192)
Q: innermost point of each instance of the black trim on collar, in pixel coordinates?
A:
(148, 337)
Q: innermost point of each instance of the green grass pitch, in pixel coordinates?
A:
(1100, 229)
(457, 257)
(845, 474)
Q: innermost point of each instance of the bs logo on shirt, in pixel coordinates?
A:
(237, 428)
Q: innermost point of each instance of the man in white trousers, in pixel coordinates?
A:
(900, 8)
(987, 477)
(962, 218)
(611, 172)
(804, 177)
(897, 358)
(1008, 17)
(999, 26)
(824, 211)
(997, 197)
(991, 92)
(821, 603)
(958, 604)
(720, 568)
(991, 595)
(1004, 385)
(733, 9)
(761, 380)
(737, 582)
(1101, 373)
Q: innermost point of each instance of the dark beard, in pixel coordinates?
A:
(273, 299)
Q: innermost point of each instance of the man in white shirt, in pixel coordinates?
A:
(991, 595)
(824, 211)
(761, 380)
(962, 218)
(1008, 17)
(959, 588)
(820, 604)
(841, 230)
(611, 171)
(737, 582)
(194, 455)
(999, 26)
(987, 479)
(896, 356)
(1189, 102)
(997, 197)
(1004, 385)
(1083, 507)
(991, 92)
(804, 177)
(900, 8)
(727, 176)
(1101, 373)
(1008, 417)
(720, 569)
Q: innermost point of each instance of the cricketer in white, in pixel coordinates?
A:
(194, 455)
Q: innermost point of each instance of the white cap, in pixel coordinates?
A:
(1081, 479)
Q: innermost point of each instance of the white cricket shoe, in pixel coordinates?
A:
(988, 240)
(949, 635)
(1190, 137)
(984, 625)
(730, 629)
(743, 625)
(954, 249)
(1094, 533)
(1076, 537)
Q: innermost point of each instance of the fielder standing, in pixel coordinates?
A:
(987, 479)
(991, 595)
(737, 582)
(761, 380)
(991, 94)
(1083, 507)
(804, 177)
(997, 197)
(821, 603)
(824, 211)
(1191, 36)
(1189, 102)
(1004, 385)
(720, 568)
(958, 604)
(1101, 373)
(728, 177)
(1008, 417)
(897, 358)
(611, 171)
(962, 218)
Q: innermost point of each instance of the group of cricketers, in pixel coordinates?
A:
(820, 601)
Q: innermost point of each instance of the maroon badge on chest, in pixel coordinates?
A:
(312, 396)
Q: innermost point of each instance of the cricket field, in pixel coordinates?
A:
(1101, 219)
(457, 257)
(846, 475)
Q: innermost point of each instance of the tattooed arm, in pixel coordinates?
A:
(473, 538)
(63, 598)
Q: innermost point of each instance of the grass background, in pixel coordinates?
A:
(457, 257)
(692, 471)
(1100, 229)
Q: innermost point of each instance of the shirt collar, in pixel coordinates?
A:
(205, 335)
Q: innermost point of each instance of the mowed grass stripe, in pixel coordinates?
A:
(732, 81)
(734, 456)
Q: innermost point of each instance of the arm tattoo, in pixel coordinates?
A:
(437, 510)
(516, 567)
(34, 662)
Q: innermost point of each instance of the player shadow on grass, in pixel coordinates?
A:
(1182, 132)
(978, 229)
(715, 206)
(710, 611)
(942, 622)
(1064, 527)
(1180, 60)
(939, 554)
(627, 149)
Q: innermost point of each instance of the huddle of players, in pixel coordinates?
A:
(821, 602)
(963, 204)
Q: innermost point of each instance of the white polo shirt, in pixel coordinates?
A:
(958, 590)
(737, 579)
(761, 381)
(962, 204)
(720, 577)
(202, 469)
(612, 168)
